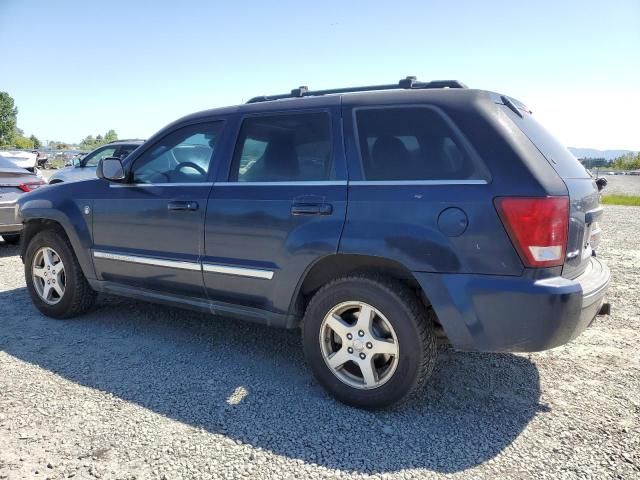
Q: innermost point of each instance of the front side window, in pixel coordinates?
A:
(185, 155)
(412, 143)
(93, 158)
(284, 148)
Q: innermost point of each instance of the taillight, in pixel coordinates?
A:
(537, 227)
(29, 186)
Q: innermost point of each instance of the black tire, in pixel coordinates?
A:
(410, 319)
(78, 296)
(13, 239)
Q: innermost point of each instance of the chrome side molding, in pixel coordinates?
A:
(239, 271)
(158, 262)
(194, 266)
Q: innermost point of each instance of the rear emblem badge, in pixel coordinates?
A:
(87, 210)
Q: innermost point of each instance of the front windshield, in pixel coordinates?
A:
(92, 159)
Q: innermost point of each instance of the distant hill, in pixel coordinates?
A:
(593, 153)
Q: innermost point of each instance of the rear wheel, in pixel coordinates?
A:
(369, 341)
(11, 239)
(55, 281)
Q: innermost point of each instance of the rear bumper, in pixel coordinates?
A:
(8, 222)
(499, 313)
(11, 228)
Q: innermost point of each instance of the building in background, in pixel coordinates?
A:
(594, 162)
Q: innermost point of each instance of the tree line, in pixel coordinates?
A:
(10, 134)
(89, 142)
(628, 161)
(13, 137)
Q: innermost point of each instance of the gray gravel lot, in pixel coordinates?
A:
(134, 390)
(622, 184)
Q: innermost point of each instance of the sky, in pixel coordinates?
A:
(78, 67)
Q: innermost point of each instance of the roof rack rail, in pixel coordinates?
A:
(126, 140)
(408, 83)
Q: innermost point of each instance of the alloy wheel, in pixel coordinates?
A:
(48, 274)
(359, 345)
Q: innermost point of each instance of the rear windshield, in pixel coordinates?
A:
(555, 152)
(6, 163)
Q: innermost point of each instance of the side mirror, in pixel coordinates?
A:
(601, 183)
(111, 169)
(75, 162)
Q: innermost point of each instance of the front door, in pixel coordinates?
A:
(281, 208)
(148, 232)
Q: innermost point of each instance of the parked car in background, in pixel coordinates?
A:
(21, 159)
(41, 158)
(371, 217)
(14, 181)
(85, 167)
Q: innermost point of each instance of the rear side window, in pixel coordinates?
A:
(412, 143)
(284, 148)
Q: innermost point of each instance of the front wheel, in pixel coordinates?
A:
(55, 281)
(369, 341)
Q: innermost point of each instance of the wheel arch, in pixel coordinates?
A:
(32, 226)
(338, 265)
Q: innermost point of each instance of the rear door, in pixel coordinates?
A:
(281, 207)
(584, 231)
(148, 233)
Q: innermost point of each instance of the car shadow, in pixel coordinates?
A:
(8, 250)
(250, 383)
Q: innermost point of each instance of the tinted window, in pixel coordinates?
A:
(182, 156)
(282, 148)
(92, 159)
(412, 143)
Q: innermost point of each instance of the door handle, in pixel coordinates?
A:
(180, 205)
(312, 209)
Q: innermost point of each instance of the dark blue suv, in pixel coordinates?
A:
(374, 218)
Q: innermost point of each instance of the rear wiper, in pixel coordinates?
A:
(509, 103)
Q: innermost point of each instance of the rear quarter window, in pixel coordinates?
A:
(413, 143)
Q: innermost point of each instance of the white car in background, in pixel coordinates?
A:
(21, 159)
(85, 168)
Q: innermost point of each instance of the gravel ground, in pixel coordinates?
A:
(140, 391)
(622, 184)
